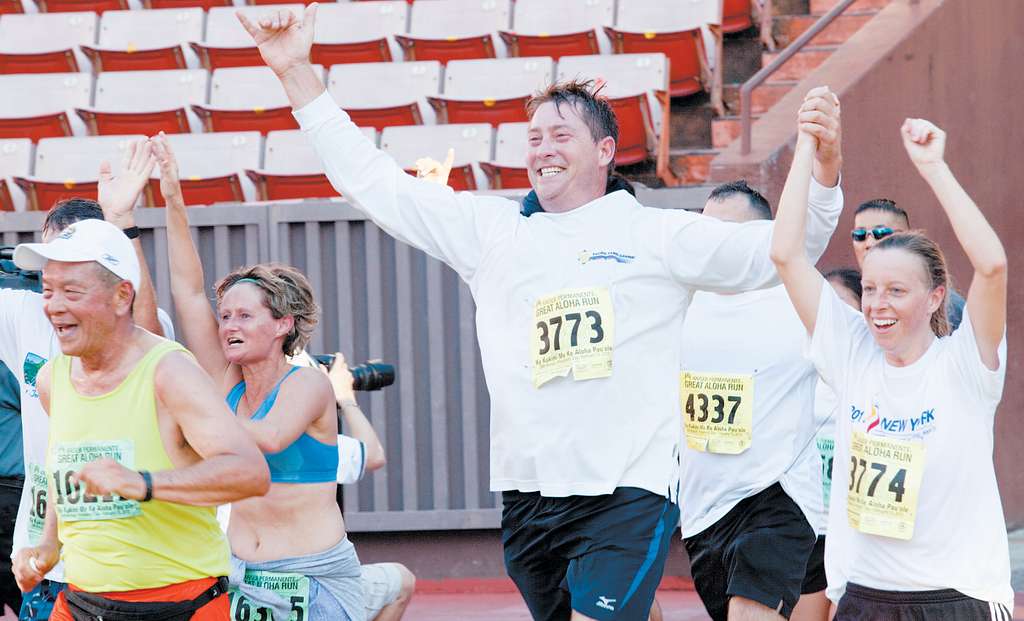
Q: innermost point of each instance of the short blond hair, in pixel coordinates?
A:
(286, 292)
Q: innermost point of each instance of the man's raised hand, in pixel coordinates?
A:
(924, 141)
(283, 40)
(117, 195)
(820, 116)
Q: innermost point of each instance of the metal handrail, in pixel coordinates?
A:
(758, 78)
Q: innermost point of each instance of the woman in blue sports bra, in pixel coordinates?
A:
(290, 547)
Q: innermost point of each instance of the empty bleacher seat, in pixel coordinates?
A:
(38, 105)
(245, 99)
(292, 169)
(45, 42)
(445, 30)
(472, 144)
(508, 168)
(129, 102)
(69, 167)
(736, 15)
(141, 40)
(632, 82)
(491, 91)
(676, 30)
(206, 5)
(11, 6)
(67, 6)
(380, 95)
(559, 28)
(211, 167)
(358, 32)
(227, 44)
(15, 161)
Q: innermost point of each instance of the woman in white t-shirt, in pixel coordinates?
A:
(916, 528)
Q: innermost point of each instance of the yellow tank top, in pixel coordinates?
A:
(109, 543)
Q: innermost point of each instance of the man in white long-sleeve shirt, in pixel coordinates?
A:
(579, 312)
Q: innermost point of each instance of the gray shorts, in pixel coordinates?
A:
(382, 582)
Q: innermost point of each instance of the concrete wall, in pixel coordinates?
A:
(957, 63)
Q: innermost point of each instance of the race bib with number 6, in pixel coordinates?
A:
(573, 330)
(37, 511)
(294, 588)
(73, 504)
(885, 477)
(718, 411)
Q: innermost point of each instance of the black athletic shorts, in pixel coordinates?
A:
(863, 604)
(602, 556)
(759, 551)
(814, 579)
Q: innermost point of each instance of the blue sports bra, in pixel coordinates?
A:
(307, 460)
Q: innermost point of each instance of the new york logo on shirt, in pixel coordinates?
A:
(880, 425)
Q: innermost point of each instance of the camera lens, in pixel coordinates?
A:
(372, 376)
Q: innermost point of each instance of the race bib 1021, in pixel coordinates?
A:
(72, 503)
(885, 477)
(718, 411)
(573, 330)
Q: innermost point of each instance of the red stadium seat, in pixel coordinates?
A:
(135, 60)
(736, 15)
(67, 6)
(6, 201)
(246, 99)
(257, 119)
(379, 118)
(472, 143)
(279, 187)
(505, 177)
(41, 195)
(206, 191)
(292, 169)
(493, 111)
(491, 91)
(211, 167)
(11, 6)
(636, 129)
(68, 167)
(383, 95)
(220, 57)
(15, 161)
(117, 123)
(36, 127)
(555, 46)
(445, 50)
(328, 54)
(46, 42)
(685, 51)
(206, 5)
(62, 61)
(508, 168)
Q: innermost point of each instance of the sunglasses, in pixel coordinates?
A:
(879, 232)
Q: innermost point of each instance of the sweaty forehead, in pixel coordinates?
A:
(548, 115)
(884, 265)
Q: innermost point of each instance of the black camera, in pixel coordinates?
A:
(11, 277)
(373, 375)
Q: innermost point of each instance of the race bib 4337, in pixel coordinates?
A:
(718, 411)
(573, 330)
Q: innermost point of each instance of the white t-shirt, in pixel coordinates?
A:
(756, 334)
(946, 401)
(635, 267)
(27, 342)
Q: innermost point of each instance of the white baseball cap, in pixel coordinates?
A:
(85, 240)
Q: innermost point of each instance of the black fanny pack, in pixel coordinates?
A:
(90, 607)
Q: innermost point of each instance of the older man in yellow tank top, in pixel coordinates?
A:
(142, 447)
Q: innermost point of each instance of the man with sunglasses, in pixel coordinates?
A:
(879, 218)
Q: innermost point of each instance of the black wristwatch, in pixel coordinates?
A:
(132, 232)
(148, 479)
